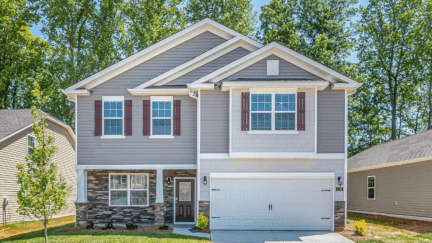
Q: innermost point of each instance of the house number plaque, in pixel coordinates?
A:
(339, 189)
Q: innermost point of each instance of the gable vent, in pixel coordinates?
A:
(272, 67)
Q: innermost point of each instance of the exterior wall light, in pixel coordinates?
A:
(169, 179)
(205, 180)
(340, 182)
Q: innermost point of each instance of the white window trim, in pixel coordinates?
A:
(112, 98)
(128, 189)
(161, 98)
(273, 112)
(28, 135)
(374, 187)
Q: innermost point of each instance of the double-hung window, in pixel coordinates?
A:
(273, 111)
(161, 116)
(128, 190)
(113, 116)
(30, 144)
(371, 187)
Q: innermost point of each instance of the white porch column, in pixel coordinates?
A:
(81, 186)
(159, 186)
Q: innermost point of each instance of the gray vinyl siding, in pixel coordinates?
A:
(210, 67)
(331, 121)
(259, 70)
(304, 141)
(214, 121)
(139, 149)
(268, 165)
(136, 149)
(409, 185)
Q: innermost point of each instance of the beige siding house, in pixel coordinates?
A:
(393, 179)
(16, 138)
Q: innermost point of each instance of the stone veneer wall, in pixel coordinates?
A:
(169, 191)
(204, 207)
(339, 214)
(98, 209)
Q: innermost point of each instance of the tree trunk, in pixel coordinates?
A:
(430, 104)
(45, 228)
(393, 106)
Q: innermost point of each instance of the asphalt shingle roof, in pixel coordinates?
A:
(408, 148)
(13, 120)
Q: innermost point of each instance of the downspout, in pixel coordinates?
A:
(198, 181)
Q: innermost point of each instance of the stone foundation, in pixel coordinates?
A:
(81, 213)
(169, 190)
(204, 207)
(339, 219)
(159, 214)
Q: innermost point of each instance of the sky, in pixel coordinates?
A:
(257, 7)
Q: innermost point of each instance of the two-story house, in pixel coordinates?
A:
(209, 120)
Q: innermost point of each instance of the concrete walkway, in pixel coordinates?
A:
(220, 236)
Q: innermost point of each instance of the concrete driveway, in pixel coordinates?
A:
(225, 236)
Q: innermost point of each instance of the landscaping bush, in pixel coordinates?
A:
(131, 225)
(90, 225)
(163, 227)
(202, 221)
(109, 225)
(360, 227)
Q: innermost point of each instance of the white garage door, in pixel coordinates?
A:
(271, 204)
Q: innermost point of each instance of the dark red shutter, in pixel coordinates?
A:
(176, 118)
(98, 117)
(146, 117)
(301, 111)
(245, 111)
(128, 117)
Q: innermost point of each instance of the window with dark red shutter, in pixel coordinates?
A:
(176, 118)
(98, 117)
(128, 118)
(245, 111)
(301, 111)
(146, 117)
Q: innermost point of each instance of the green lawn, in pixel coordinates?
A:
(391, 231)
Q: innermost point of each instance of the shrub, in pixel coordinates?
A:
(131, 225)
(202, 221)
(90, 225)
(360, 227)
(163, 227)
(109, 225)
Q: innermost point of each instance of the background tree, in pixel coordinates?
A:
(43, 191)
(235, 14)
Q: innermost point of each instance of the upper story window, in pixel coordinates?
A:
(30, 144)
(371, 187)
(273, 111)
(162, 116)
(113, 115)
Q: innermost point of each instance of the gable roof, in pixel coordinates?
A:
(156, 49)
(14, 121)
(410, 149)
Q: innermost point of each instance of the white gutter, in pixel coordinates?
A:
(198, 181)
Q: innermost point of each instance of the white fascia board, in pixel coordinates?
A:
(137, 167)
(157, 48)
(206, 86)
(276, 175)
(393, 215)
(146, 92)
(282, 52)
(227, 85)
(72, 94)
(391, 164)
(271, 155)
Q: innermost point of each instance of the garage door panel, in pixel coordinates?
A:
(243, 204)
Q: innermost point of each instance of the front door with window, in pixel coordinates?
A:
(184, 200)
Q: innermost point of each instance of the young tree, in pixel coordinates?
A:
(235, 14)
(43, 191)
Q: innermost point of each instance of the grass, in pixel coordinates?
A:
(389, 231)
(33, 232)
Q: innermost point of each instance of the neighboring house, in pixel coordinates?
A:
(393, 178)
(208, 120)
(16, 141)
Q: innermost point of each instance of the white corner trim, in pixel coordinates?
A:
(346, 158)
(279, 85)
(161, 91)
(137, 167)
(316, 120)
(214, 156)
(271, 155)
(276, 175)
(391, 164)
(394, 215)
(270, 132)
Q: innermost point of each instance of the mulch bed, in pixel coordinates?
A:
(353, 236)
(205, 230)
(152, 229)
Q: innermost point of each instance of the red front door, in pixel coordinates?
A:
(185, 200)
